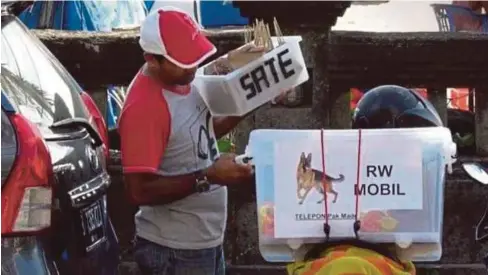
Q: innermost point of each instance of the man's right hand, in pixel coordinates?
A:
(226, 171)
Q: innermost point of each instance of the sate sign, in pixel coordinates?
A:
(262, 80)
(272, 71)
(255, 83)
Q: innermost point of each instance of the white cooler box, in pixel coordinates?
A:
(256, 83)
(401, 179)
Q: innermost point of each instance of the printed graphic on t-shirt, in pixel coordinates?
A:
(205, 140)
(206, 146)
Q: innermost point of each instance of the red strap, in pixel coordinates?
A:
(357, 224)
(323, 177)
(358, 175)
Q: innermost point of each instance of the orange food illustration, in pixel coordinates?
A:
(377, 221)
(266, 218)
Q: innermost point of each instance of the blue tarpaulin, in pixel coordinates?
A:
(149, 4)
(88, 15)
(220, 13)
(209, 13)
(96, 15)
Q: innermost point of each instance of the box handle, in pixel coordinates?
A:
(450, 156)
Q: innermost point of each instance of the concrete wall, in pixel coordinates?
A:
(337, 61)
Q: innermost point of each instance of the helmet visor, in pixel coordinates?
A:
(382, 118)
(417, 118)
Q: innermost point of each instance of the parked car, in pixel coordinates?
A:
(54, 178)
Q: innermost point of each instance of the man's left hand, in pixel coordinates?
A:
(281, 98)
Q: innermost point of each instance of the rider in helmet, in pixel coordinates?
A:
(387, 106)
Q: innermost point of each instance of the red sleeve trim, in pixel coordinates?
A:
(144, 131)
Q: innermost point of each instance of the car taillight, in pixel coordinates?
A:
(27, 192)
(98, 120)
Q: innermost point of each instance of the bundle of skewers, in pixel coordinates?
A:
(257, 43)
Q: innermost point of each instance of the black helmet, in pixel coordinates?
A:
(391, 106)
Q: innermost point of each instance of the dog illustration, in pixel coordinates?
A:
(308, 178)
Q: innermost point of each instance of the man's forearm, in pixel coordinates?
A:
(151, 189)
(146, 189)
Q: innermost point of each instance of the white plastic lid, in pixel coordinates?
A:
(294, 244)
(404, 242)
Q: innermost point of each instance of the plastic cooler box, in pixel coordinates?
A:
(401, 175)
(256, 83)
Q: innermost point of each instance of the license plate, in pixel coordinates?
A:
(92, 222)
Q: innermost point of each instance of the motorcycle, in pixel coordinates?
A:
(474, 170)
(479, 174)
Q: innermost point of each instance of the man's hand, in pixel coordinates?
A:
(226, 171)
(282, 97)
(152, 189)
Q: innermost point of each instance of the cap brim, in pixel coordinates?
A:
(200, 50)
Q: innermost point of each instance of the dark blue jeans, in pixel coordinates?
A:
(154, 259)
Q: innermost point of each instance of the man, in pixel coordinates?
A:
(172, 167)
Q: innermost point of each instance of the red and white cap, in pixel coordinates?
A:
(173, 34)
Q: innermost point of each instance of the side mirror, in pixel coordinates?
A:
(479, 174)
(476, 172)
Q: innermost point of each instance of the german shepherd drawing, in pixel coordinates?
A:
(308, 179)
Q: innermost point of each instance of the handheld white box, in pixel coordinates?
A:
(256, 83)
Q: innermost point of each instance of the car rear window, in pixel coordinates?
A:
(27, 97)
(33, 72)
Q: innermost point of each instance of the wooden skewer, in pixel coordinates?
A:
(268, 39)
(246, 35)
(278, 32)
(250, 34)
(261, 34)
(256, 33)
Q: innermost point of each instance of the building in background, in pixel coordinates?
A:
(396, 16)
